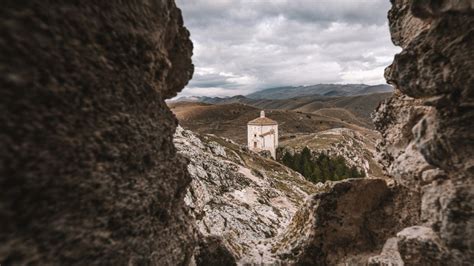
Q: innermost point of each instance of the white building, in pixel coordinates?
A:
(262, 134)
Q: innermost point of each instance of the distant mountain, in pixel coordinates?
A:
(325, 90)
(329, 90)
(211, 100)
(375, 89)
(352, 109)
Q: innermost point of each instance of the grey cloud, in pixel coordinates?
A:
(209, 80)
(350, 11)
(243, 45)
(312, 11)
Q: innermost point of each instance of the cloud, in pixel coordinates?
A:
(245, 45)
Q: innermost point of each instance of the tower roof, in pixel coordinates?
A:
(262, 120)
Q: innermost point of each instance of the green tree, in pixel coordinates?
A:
(288, 159)
(307, 169)
(306, 154)
(297, 165)
(320, 167)
(356, 173)
(340, 171)
(317, 175)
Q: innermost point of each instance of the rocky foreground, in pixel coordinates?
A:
(260, 211)
(241, 197)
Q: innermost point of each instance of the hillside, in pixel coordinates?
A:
(352, 109)
(243, 199)
(319, 89)
(230, 120)
(357, 148)
(321, 133)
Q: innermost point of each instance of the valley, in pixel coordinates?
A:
(230, 120)
(352, 109)
(337, 126)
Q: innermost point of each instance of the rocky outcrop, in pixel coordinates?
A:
(347, 223)
(427, 128)
(254, 210)
(88, 170)
(239, 196)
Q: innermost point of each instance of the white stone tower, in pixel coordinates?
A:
(262, 134)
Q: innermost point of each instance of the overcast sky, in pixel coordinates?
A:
(241, 46)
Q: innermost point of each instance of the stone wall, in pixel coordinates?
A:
(427, 127)
(88, 170)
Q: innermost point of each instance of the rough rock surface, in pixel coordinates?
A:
(88, 170)
(239, 196)
(347, 223)
(427, 127)
(416, 245)
(211, 250)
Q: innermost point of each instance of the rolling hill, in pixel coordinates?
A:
(352, 109)
(230, 120)
(321, 90)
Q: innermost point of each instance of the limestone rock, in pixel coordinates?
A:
(420, 246)
(416, 245)
(427, 125)
(239, 196)
(88, 170)
(390, 255)
(347, 223)
(395, 119)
